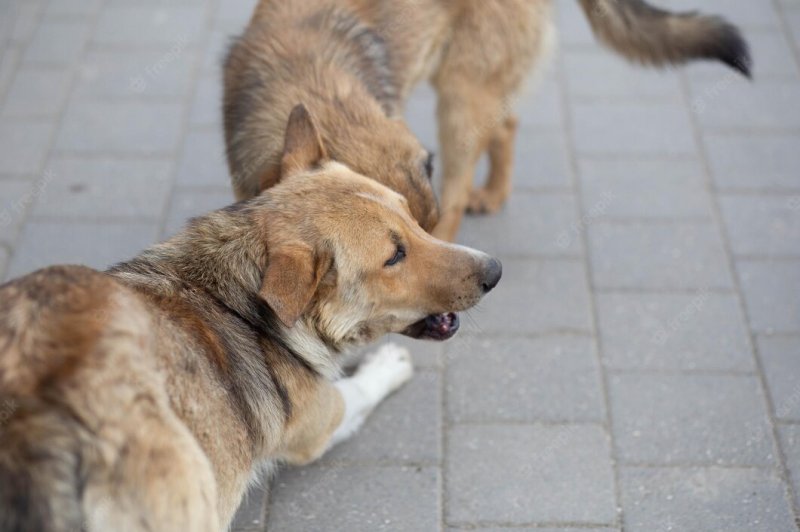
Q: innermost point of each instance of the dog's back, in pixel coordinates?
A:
(86, 423)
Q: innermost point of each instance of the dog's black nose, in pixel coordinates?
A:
(492, 275)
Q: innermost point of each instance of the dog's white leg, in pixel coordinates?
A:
(380, 374)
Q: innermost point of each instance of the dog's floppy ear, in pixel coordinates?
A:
(302, 149)
(291, 279)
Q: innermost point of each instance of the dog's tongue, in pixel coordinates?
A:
(442, 326)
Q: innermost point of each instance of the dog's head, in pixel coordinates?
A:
(346, 256)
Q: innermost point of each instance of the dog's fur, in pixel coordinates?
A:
(354, 63)
(145, 398)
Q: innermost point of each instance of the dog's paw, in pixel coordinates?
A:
(385, 370)
(483, 201)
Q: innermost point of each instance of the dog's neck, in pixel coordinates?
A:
(221, 254)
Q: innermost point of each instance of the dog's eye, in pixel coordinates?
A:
(399, 254)
(429, 165)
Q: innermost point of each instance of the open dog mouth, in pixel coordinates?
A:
(437, 327)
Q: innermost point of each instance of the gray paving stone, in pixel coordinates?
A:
(216, 48)
(356, 499)
(603, 128)
(9, 58)
(105, 187)
(421, 116)
(537, 529)
(120, 127)
(537, 296)
(203, 161)
(251, 516)
(405, 428)
(207, 104)
(530, 225)
(519, 474)
(188, 203)
(540, 160)
(57, 42)
(780, 357)
(772, 293)
(762, 225)
(539, 106)
(756, 162)
(36, 93)
(165, 72)
(790, 444)
(26, 22)
(23, 146)
(234, 14)
(573, 27)
(674, 332)
(593, 73)
(125, 24)
(658, 256)
(72, 8)
(666, 189)
(16, 198)
(555, 378)
(704, 500)
(696, 420)
(98, 245)
(731, 103)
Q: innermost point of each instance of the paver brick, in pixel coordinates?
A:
(105, 187)
(537, 296)
(704, 500)
(357, 499)
(115, 74)
(724, 104)
(93, 244)
(747, 161)
(772, 293)
(23, 146)
(57, 42)
(189, 203)
(645, 189)
(16, 197)
(531, 225)
(529, 473)
(658, 256)
(142, 25)
(555, 378)
(203, 160)
(632, 128)
(762, 225)
(790, 444)
(37, 93)
(780, 356)
(120, 127)
(674, 332)
(697, 419)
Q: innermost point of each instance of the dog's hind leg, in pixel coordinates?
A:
(492, 196)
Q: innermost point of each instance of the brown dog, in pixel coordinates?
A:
(146, 398)
(354, 63)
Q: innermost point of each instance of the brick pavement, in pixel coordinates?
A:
(637, 369)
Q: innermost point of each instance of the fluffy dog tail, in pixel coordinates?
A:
(39, 470)
(652, 36)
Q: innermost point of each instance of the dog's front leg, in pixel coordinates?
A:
(379, 375)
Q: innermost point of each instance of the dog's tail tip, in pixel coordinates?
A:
(652, 36)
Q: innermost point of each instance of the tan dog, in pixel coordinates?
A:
(146, 398)
(354, 63)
